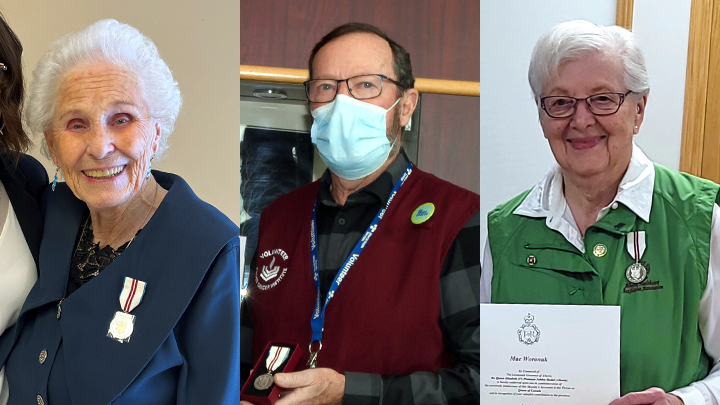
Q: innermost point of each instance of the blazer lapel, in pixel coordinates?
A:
(24, 204)
(171, 254)
(64, 217)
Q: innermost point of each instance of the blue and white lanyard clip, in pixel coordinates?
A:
(317, 321)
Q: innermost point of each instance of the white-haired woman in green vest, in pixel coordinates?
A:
(568, 237)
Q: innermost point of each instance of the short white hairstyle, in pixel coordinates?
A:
(573, 40)
(115, 43)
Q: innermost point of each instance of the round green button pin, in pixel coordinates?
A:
(422, 213)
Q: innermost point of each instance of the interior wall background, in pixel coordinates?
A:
(515, 154)
(442, 37)
(199, 41)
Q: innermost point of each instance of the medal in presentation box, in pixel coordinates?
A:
(277, 357)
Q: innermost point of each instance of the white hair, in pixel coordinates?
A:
(112, 42)
(573, 40)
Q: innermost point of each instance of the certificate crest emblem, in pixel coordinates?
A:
(529, 332)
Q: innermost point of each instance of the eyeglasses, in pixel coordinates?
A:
(361, 87)
(598, 104)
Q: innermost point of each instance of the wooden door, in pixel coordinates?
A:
(700, 153)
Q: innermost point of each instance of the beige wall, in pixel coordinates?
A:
(200, 42)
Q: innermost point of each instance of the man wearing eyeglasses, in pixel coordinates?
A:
(379, 272)
(606, 226)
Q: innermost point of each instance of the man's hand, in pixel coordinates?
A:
(321, 386)
(651, 396)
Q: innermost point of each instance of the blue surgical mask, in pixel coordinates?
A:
(351, 136)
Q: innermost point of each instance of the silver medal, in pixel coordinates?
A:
(636, 273)
(121, 327)
(275, 358)
(263, 382)
(123, 323)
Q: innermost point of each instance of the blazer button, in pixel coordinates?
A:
(43, 356)
(531, 260)
(40, 400)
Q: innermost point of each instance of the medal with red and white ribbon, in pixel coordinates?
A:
(637, 272)
(121, 327)
(276, 356)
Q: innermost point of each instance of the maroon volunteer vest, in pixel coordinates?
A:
(384, 317)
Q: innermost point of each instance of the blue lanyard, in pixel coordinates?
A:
(318, 317)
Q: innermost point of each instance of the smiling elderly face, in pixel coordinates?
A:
(585, 144)
(102, 135)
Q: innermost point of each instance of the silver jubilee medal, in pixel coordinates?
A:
(276, 356)
(123, 323)
(636, 273)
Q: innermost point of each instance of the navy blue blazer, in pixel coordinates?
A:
(185, 347)
(24, 186)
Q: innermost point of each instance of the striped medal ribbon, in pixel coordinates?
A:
(637, 272)
(276, 356)
(122, 325)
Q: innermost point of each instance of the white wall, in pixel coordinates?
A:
(200, 41)
(662, 27)
(514, 155)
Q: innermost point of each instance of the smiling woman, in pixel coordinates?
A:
(590, 145)
(607, 222)
(103, 137)
(106, 103)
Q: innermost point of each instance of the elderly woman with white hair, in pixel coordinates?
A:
(106, 103)
(606, 226)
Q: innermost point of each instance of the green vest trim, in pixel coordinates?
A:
(660, 342)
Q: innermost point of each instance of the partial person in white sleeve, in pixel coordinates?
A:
(22, 182)
(606, 226)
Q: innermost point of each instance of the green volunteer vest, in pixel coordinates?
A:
(660, 341)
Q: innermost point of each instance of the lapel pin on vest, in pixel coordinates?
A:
(422, 213)
(600, 250)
